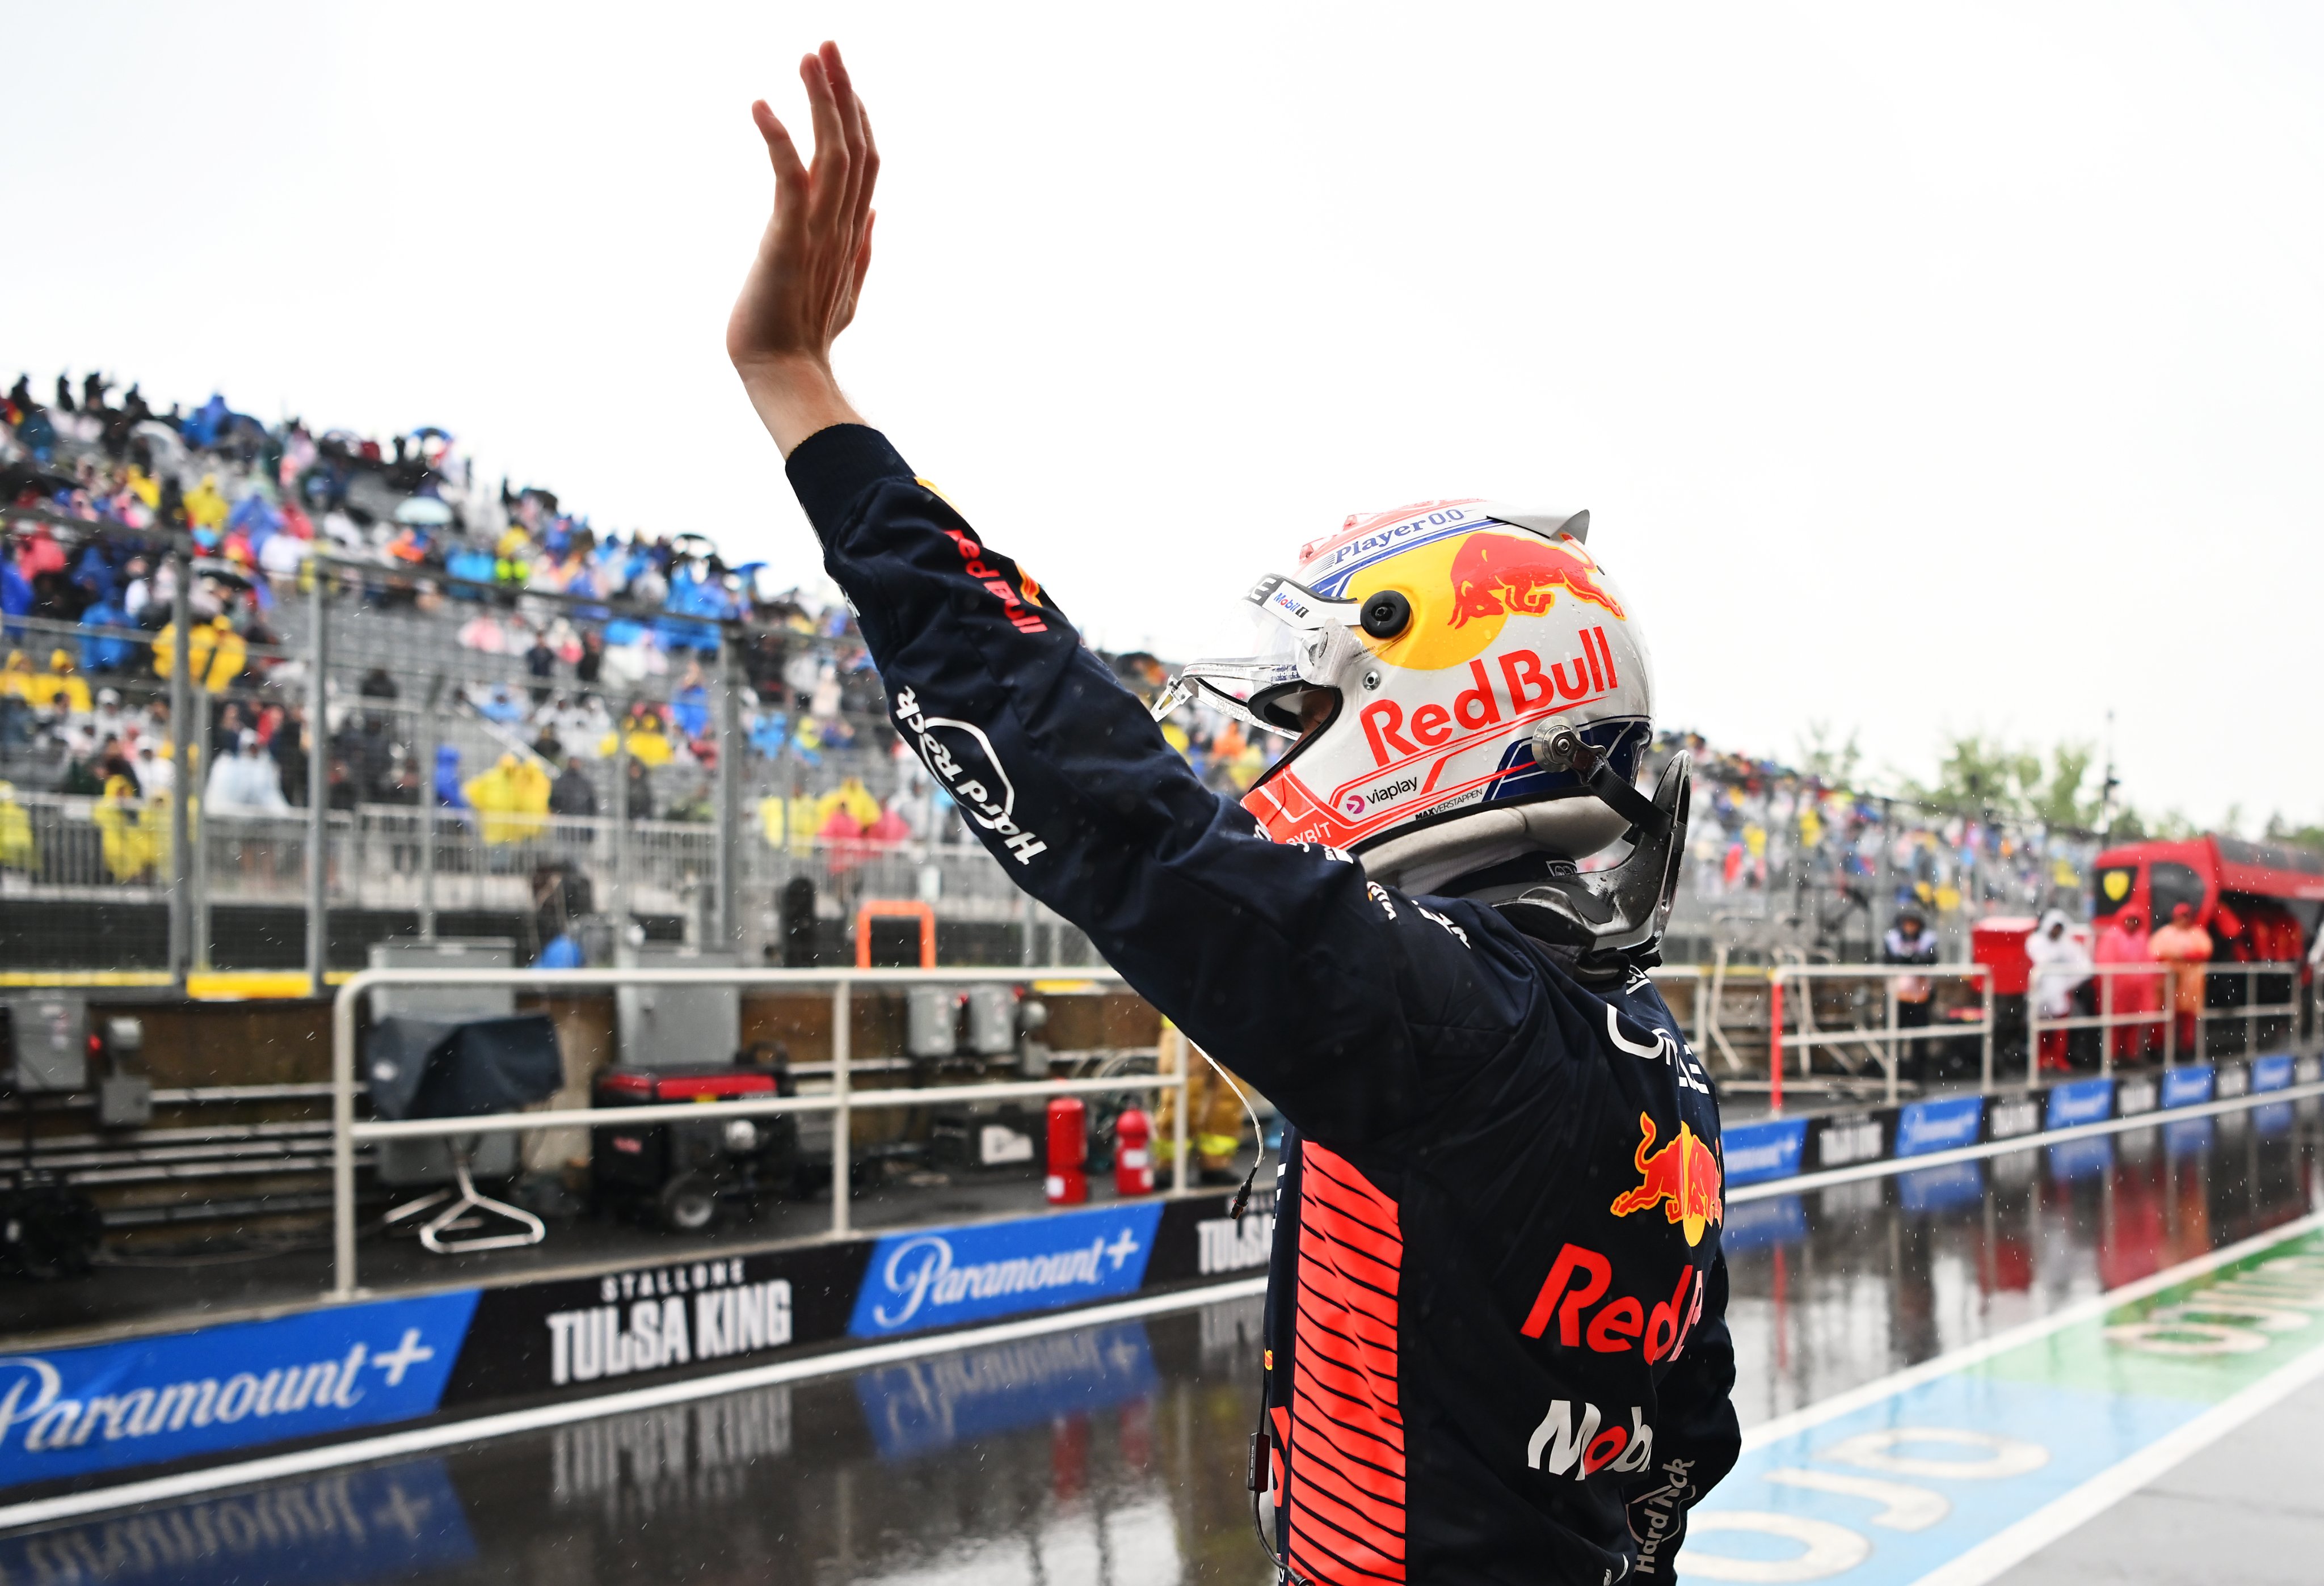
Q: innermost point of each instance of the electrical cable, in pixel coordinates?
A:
(1259, 1136)
(1261, 1444)
(1262, 1441)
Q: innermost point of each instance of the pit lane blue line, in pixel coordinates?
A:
(1950, 1472)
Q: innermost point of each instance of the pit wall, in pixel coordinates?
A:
(324, 1373)
(286, 1042)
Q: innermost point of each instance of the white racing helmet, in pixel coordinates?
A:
(1485, 699)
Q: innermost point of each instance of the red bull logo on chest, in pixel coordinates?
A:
(1682, 1177)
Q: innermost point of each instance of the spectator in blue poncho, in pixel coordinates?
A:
(768, 730)
(208, 423)
(101, 652)
(690, 706)
(449, 794)
(15, 589)
(257, 521)
(94, 572)
(563, 952)
(38, 435)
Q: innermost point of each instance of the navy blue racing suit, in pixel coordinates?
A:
(1497, 1344)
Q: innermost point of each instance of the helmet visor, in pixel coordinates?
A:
(1293, 640)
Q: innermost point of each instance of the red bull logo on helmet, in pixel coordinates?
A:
(1494, 574)
(1682, 1177)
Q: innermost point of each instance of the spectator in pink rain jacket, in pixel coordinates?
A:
(2124, 941)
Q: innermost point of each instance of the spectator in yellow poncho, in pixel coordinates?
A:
(851, 796)
(789, 823)
(649, 742)
(205, 507)
(61, 684)
(17, 678)
(16, 850)
(510, 800)
(217, 658)
(130, 850)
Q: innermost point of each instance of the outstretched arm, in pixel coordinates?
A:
(1279, 958)
(803, 285)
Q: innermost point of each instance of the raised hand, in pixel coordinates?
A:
(802, 288)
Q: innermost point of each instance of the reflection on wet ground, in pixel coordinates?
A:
(1834, 1288)
(1114, 1454)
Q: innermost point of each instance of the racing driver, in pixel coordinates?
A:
(1497, 1339)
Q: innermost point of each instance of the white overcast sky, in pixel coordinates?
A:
(1951, 368)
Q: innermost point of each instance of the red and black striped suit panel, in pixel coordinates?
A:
(1343, 1461)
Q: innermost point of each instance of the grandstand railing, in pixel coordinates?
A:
(382, 856)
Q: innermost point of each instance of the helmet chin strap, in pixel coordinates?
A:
(1614, 919)
(1560, 748)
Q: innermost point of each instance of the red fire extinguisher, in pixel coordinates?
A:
(1133, 1161)
(1068, 1150)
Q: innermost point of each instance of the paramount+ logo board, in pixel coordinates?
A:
(939, 1276)
(73, 1412)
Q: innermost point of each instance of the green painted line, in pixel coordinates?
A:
(1950, 1472)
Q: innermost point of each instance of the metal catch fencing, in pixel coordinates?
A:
(401, 859)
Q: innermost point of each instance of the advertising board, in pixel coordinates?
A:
(2079, 1101)
(1768, 1148)
(936, 1277)
(73, 1412)
(1944, 1124)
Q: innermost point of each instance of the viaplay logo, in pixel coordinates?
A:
(915, 1281)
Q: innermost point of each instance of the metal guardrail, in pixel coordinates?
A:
(1704, 984)
(841, 1102)
(2107, 1018)
(1885, 1039)
(2249, 1011)
(432, 862)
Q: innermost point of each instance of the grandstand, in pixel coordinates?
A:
(481, 646)
(483, 642)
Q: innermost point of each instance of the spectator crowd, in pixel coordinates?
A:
(98, 488)
(97, 491)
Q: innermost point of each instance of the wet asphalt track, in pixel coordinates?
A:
(1115, 1453)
